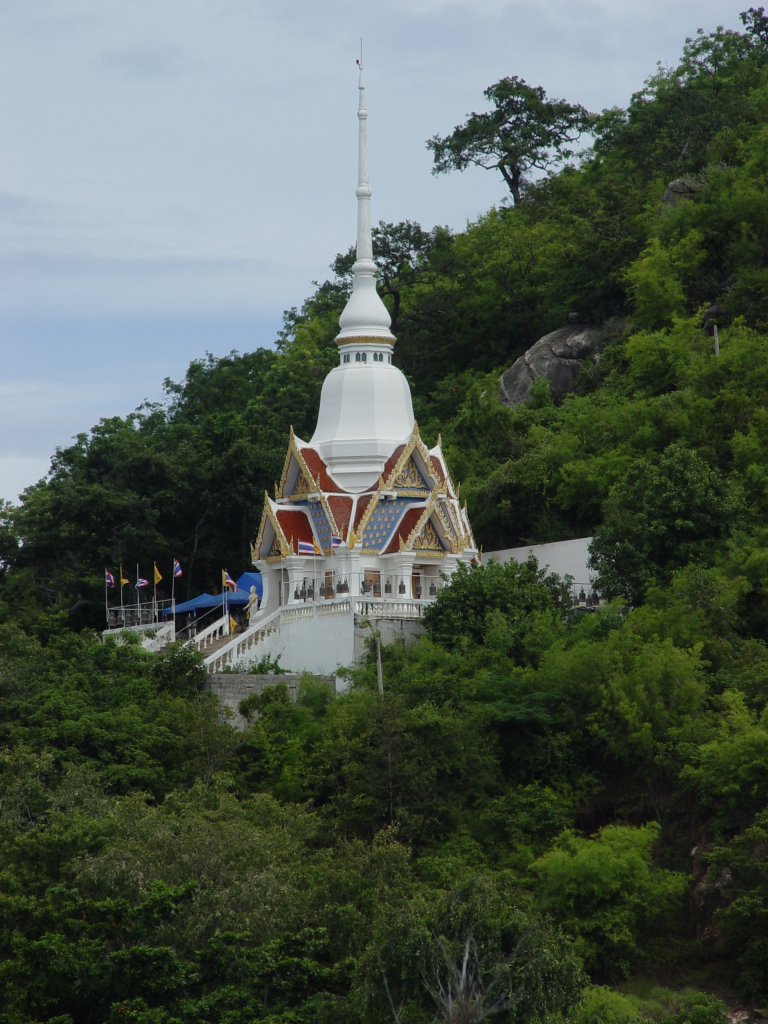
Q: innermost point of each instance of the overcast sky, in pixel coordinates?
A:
(176, 173)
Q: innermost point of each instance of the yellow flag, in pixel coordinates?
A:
(158, 576)
(352, 539)
(316, 547)
(123, 580)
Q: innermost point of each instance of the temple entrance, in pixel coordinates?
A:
(371, 583)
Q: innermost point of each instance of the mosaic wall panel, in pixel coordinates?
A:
(321, 524)
(383, 522)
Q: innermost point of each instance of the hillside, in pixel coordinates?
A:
(545, 816)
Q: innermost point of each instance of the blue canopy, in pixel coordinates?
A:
(235, 599)
(195, 604)
(251, 579)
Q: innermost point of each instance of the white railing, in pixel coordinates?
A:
(243, 644)
(208, 636)
(154, 635)
(389, 608)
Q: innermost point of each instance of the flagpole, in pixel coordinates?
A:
(154, 591)
(138, 596)
(173, 597)
(122, 605)
(106, 598)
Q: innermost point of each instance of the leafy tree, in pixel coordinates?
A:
(403, 254)
(608, 894)
(741, 924)
(662, 515)
(464, 611)
(525, 131)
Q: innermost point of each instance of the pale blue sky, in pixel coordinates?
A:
(176, 173)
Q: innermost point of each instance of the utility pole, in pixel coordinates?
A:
(379, 673)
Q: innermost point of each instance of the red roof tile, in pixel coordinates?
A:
(295, 523)
(438, 468)
(318, 469)
(362, 504)
(392, 461)
(341, 507)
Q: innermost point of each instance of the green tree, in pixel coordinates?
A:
(520, 592)
(526, 131)
(608, 894)
(663, 514)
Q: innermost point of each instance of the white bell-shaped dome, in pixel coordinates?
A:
(365, 413)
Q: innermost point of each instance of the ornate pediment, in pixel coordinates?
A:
(296, 481)
(412, 473)
(271, 544)
(410, 479)
(428, 541)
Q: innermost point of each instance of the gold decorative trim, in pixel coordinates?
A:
(281, 541)
(450, 533)
(413, 444)
(428, 509)
(309, 481)
(331, 521)
(256, 545)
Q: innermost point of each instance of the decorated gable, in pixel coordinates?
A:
(299, 485)
(410, 478)
(427, 541)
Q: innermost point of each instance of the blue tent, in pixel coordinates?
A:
(251, 579)
(235, 599)
(196, 604)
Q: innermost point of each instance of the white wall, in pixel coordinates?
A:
(318, 644)
(565, 557)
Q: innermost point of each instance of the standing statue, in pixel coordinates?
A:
(253, 604)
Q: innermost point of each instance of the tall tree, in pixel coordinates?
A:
(525, 131)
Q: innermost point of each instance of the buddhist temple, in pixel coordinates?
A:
(365, 525)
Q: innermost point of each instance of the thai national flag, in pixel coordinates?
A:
(227, 581)
(306, 547)
(335, 541)
(141, 583)
(109, 579)
(177, 569)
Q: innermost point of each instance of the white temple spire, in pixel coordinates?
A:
(365, 315)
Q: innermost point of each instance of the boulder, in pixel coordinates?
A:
(558, 357)
(681, 190)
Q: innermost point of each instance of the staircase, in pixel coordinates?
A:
(221, 649)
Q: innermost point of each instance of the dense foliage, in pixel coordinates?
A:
(548, 815)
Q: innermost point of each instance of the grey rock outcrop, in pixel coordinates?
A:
(557, 357)
(680, 190)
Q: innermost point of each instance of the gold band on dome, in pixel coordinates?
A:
(365, 339)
